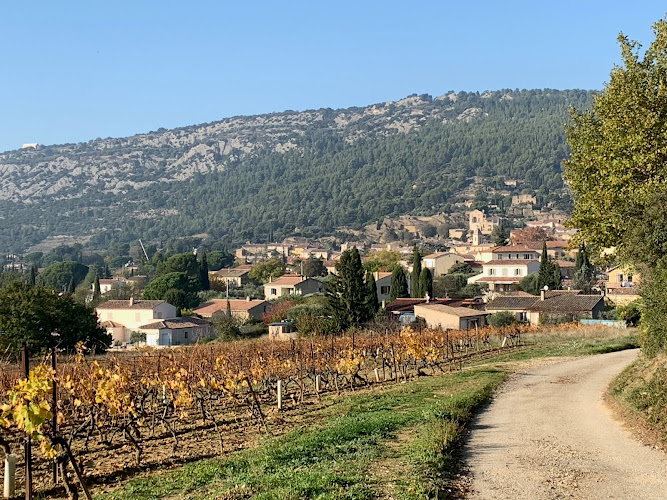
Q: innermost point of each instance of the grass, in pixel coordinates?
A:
(398, 441)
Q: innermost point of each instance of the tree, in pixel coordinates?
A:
(97, 289)
(32, 279)
(203, 273)
(177, 298)
(158, 288)
(347, 294)
(549, 274)
(314, 267)
(619, 147)
(384, 260)
(501, 319)
(416, 273)
(60, 275)
(461, 268)
(585, 275)
(530, 235)
(373, 303)
(43, 318)
(217, 259)
(399, 284)
(426, 282)
(500, 236)
(618, 172)
(270, 269)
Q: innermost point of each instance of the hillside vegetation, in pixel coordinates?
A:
(266, 176)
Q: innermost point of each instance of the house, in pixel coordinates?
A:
(122, 317)
(564, 307)
(622, 285)
(292, 284)
(441, 262)
(176, 331)
(235, 277)
(556, 249)
(509, 265)
(383, 286)
(444, 316)
(244, 309)
(519, 306)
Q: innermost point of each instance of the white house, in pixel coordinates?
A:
(122, 317)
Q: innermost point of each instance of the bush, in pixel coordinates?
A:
(501, 319)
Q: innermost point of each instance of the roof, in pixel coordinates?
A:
(461, 312)
(234, 272)
(508, 262)
(287, 279)
(380, 275)
(550, 244)
(214, 305)
(513, 249)
(568, 302)
(110, 324)
(407, 303)
(563, 264)
(511, 303)
(176, 324)
(435, 255)
(111, 281)
(125, 304)
(628, 290)
(500, 279)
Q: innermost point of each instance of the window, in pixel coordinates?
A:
(492, 271)
(629, 278)
(185, 335)
(517, 272)
(273, 292)
(384, 290)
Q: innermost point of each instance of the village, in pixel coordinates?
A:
(492, 277)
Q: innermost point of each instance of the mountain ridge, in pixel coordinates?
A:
(96, 179)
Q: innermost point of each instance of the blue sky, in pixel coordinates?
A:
(74, 71)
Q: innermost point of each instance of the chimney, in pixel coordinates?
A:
(247, 297)
(131, 301)
(543, 292)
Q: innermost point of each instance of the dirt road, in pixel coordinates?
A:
(548, 435)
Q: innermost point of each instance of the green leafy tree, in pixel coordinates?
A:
(314, 267)
(59, 275)
(217, 259)
(270, 269)
(426, 282)
(501, 319)
(158, 288)
(399, 284)
(177, 298)
(416, 273)
(181, 263)
(461, 268)
(42, 318)
(347, 294)
(384, 260)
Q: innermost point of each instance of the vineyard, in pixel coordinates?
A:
(123, 413)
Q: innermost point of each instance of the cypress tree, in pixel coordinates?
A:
(399, 284)
(97, 290)
(372, 296)
(416, 274)
(70, 286)
(347, 294)
(32, 279)
(203, 273)
(426, 282)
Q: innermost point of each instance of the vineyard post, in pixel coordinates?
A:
(317, 384)
(10, 476)
(377, 375)
(54, 409)
(27, 443)
(280, 394)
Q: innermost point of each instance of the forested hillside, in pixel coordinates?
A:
(252, 178)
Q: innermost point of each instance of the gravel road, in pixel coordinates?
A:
(548, 435)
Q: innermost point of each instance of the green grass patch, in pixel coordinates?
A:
(404, 436)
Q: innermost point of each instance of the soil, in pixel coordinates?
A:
(548, 434)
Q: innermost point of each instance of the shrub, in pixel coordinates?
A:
(501, 319)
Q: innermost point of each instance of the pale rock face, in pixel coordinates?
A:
(125, 164)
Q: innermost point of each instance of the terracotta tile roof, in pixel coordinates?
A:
(408, 304)
(125, 304)
(176, 324)
(537, 245)
(233, 272)
(461, 312)
(568, 302)
(565, 264)
(438, 254)
(287, 279)
(508, 262)
(236, 305)
(511, 303)
(500, 279)
(631, 290)
(514, 249)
